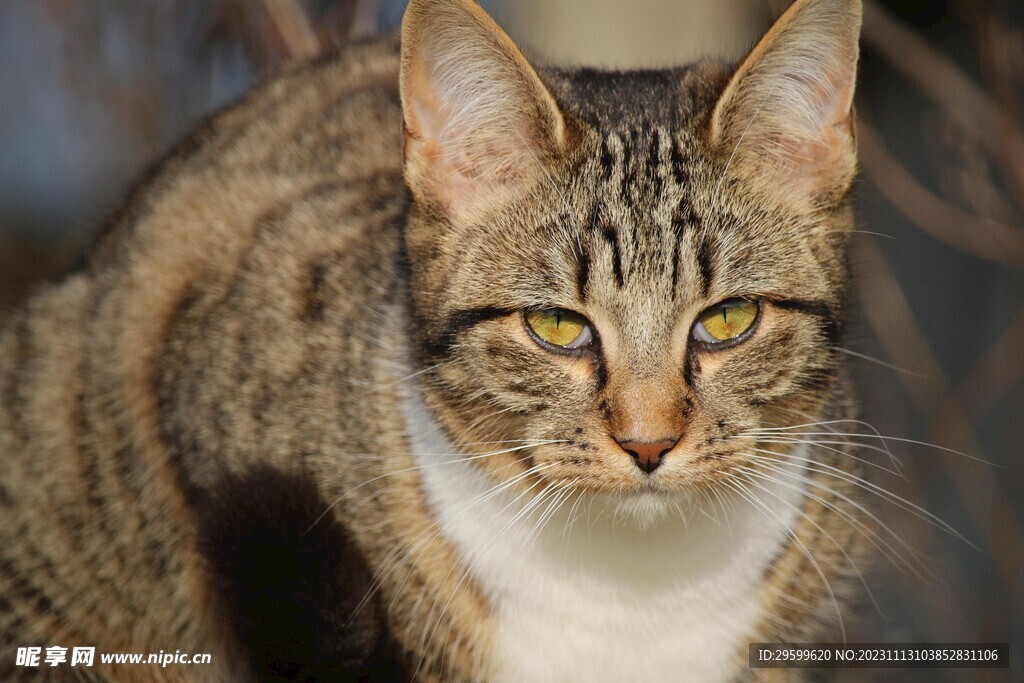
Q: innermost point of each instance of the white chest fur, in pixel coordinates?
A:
(587, 597)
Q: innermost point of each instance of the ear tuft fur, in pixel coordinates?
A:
(788, 109)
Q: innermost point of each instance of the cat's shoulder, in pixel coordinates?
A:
(318, 131)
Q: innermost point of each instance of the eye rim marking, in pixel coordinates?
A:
(588, 348)
(700, 345)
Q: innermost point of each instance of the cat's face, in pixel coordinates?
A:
(616, 320)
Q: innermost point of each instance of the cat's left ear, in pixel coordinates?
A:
(479, 123)
(786, 116)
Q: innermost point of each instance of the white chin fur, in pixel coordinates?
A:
(642, 511)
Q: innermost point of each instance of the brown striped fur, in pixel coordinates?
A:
(262, 301)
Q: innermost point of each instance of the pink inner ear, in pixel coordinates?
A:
(478, 117)
(832, 93)
(814, 164)
(457, 162)
(424, 113)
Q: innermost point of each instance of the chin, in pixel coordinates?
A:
(647, 508)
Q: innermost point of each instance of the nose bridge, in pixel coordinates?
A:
(645, 407)
(644, 394)
(646, 332)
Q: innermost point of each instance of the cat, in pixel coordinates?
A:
(422, 363)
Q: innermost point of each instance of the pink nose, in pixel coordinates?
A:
(647, 455)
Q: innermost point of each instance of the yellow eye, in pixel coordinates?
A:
(561, 328)
(725, 321)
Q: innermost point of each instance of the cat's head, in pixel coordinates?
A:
(622, 271)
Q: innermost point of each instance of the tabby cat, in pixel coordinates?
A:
(420, 363)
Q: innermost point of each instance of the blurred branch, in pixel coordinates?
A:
(1000, 43)
(948, 87)
(294, 27)
(274, 32)
(984, 237)
(994, 376)
(892, 319)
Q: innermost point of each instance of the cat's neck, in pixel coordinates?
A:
(629, 601)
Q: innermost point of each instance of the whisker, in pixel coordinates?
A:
(420, 467)
(467, 571)
(725, 512)
(879, 361)
(899, 501)
(535, 442)
(827, 445)
(486, 495)
(497, 488)
(827, 424)
(732, 156)
(881, 437)
(564, 491)
(567, 530)
(378, 385)
(471, 569)
(477, 422)
(810, 519)
(854, 522)
(861, 232)
(743, 491)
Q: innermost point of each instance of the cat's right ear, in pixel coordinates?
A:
(786, 116)
(479, 123)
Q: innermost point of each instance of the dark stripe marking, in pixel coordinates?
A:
(582, 275)
(831, 326)
(17, 376)
(678, 226)
(690, 368)
(818, 309)
(607, 160)
(600, 373)
(628, 168)
(675, 268)
(26, 590)
(706, 263)
(612, 238)
(627, 148)
(459, 322)
(653, 162)
(313, 310)
(679, 170)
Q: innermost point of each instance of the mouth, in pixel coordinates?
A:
(647, 487)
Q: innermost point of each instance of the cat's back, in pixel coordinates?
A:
(305, 169)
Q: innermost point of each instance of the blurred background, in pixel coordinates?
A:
(93, 93)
